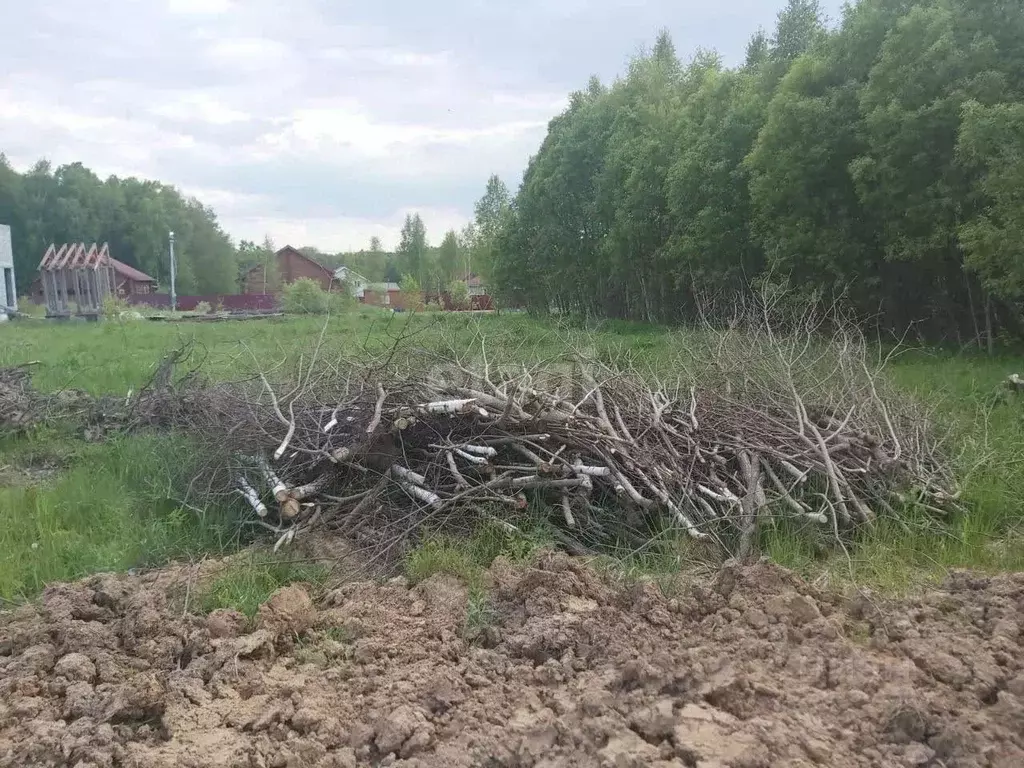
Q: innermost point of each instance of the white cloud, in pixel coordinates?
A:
(198, 106)
(199, 7)
(249, 54)
(386, 57)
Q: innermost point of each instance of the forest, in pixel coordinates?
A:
(72, 204)
(878, 162)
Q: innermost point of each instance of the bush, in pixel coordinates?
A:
(114, 306)
(412, 294)
(203, 308)
(458, 294)
(305, 297)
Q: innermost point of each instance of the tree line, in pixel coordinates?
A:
(72, 204)
(415, 262)
(880, 162)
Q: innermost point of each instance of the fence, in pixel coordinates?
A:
(237, 302)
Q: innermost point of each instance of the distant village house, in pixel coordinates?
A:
(356, 283)
(291, 265)
(387, 295)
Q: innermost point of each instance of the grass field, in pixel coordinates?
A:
(68, 508)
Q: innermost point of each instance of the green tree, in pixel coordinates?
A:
(458, 294)
(449, 257)
(489, 216)
(412, 292)
(412, 253)
(990, 141)
(71, 204)
(800, 25)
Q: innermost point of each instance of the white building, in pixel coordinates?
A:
(355, 282)
(8, 290)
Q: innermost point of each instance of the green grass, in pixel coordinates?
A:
(467, 558)
(107, 506)
(249, 580)
(111, 357)
(108, 510)
(987, 442)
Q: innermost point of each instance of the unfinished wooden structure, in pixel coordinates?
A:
(78, 275)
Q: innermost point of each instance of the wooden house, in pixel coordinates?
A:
(387, 295)
(78, 277)
(129, 281)
(74, 275)
(291, 265)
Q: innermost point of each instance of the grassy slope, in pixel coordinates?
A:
(109, 508)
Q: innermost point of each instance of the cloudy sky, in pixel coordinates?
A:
(323, 122)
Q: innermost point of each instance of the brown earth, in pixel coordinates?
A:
(755, 668)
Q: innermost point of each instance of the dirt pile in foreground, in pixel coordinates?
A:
(753, 669)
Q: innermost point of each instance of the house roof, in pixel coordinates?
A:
(301, 255)
(78, 256)
(342, 271)
(380, 287)
(130, 272)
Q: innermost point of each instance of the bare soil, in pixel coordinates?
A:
(754, 668)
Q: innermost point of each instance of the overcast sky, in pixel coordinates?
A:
(325, 123)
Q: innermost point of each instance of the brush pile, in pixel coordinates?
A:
(161, 403)
(601, 450)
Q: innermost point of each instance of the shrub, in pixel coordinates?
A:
(340, 299)
(115, 306)
(412, 294)
(305, 297)
(458, 293)
(203, 308)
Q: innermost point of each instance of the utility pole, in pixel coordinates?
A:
(174, 297)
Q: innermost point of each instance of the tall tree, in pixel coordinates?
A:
(800, 25)
(876, 163)
(412, 253)
(489, 214)
(990, 141)
(449, 258)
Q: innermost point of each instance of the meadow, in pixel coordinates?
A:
(69, 508)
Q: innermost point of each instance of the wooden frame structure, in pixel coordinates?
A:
(76, 274)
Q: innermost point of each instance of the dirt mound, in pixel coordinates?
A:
(755, 668)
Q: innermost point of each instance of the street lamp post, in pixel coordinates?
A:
(174, 297)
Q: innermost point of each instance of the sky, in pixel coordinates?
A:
(324, 122)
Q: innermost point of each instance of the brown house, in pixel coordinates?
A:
(387, 295)
(291, 266)
(129, 281)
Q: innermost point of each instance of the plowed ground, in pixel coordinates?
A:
(754, 668)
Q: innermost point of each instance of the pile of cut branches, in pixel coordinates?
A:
(755, 427)
(162, 402)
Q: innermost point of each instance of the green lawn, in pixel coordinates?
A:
(113, 506)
